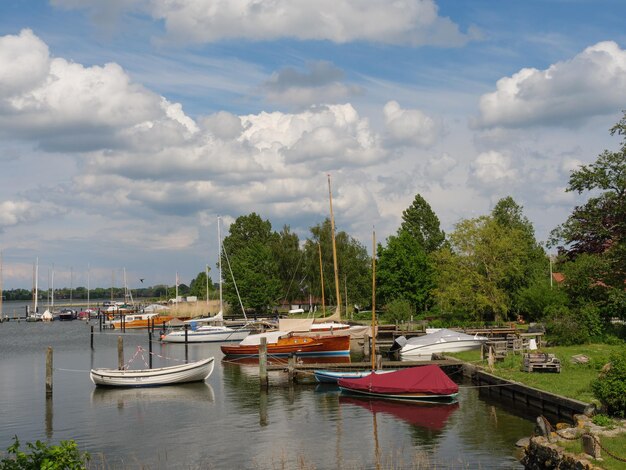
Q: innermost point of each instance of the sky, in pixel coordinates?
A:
(128, 127)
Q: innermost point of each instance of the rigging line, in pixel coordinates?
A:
(234, 282)
(294, 276)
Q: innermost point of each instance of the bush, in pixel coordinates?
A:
(564, 328)
(398, 310)
(43, 456)
(610, 386)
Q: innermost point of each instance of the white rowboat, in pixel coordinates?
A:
(184, 373)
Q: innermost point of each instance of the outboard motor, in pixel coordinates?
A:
(398, 344)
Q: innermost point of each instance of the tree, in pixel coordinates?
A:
(404, 271)
(247, 251)
(198, 286)
(534, 263)
(286, 249)
(598, 228)
(353, 261)
(422, 223)
(473, 269)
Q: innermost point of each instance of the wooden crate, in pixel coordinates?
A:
(536, 362)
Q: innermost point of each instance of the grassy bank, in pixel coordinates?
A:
(574, 380)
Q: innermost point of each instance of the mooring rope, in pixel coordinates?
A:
(584, 433)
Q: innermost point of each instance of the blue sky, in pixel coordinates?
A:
(127, 127)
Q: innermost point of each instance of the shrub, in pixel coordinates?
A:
(610, 386)
(398, 310)
(43, 456)
(564, 328)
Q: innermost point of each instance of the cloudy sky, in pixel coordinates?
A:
(128, 126)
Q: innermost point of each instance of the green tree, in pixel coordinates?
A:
(198, 285)
(247, 257)
(353, 261)
(288, 255)
(473, 270)
(404, 271)
(599, 226)
(534, 265)
(422, 224)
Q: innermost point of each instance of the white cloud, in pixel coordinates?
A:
(409, 126)
(21, 211)
(592, 83)
(65, 106)
(437, 168)
(411, 22)
(492, 171)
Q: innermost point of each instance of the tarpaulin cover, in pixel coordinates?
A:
(423, 379)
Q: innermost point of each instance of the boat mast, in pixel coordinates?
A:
(52, 290)
(88, 272)
(219, 260)
(319, 247)
(373, 352)
(1, 315)
(36, 293)
(332, 232)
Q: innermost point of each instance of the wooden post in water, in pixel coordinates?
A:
(49, 371)
(263, 363)
(120, 353)
(186, 333)
(150, 348)
(291, 365)
(91, 336)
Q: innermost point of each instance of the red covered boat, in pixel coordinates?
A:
(280, 343)
(423, 383)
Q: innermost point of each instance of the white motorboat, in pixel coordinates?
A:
(441, 341)
(206, 334)
(183, 373)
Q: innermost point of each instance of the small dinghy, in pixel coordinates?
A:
(331, 376)
(183, 373)
(426, 383)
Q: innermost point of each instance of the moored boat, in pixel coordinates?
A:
(183, 373)
(441, 341)
(281, 343)
(332, 376)
(423, 383)
(140, 320)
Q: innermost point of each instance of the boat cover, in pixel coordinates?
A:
(421, 379)
(271, 337)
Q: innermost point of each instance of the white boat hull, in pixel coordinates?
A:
(331, 377)
(206, 336)
(446, 347)
(192, 372)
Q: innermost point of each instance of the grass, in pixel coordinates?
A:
(574, 381)
(615, 445)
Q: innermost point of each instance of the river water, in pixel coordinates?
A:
(227, 422)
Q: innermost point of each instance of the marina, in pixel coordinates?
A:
(229, 421)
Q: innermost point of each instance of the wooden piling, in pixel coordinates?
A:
(120, 353)
(150, 348)
(91, 337)
(291, 365)
(186, 333)
(263, 363)
(49, 371)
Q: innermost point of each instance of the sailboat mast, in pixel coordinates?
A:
(319, 248)
(332, 232)
(36, 284)
(373, 353)
(1, 286)
(219, 259)
(88, 273)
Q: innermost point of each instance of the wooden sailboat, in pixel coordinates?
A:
(329, 376)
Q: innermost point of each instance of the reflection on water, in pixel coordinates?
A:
(425, 415)
(228, 422)
(192, 392)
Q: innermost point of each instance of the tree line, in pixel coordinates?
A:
(489, 269)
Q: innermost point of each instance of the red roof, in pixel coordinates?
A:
(421, 379)
(558, 277)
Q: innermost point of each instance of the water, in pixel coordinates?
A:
(226, 422)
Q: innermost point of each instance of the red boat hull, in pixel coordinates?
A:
(299, 345)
